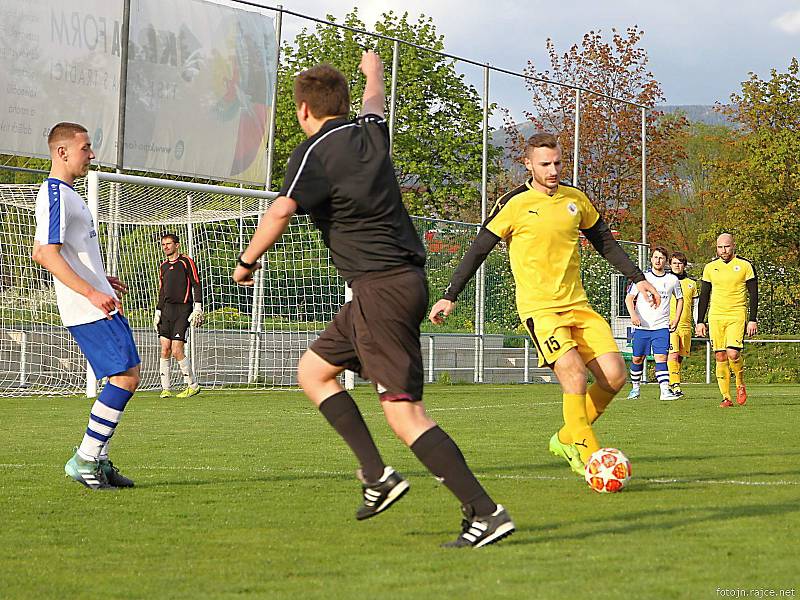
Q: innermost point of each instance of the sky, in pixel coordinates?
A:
(700, 51)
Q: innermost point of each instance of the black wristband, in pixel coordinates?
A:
(246, 265)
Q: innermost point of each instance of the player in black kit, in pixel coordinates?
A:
(179, 305)
(342, 177)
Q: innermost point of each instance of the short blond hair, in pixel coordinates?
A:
(62, 132)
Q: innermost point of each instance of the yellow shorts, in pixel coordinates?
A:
(726, 332)
(680, 341)
(554, 333)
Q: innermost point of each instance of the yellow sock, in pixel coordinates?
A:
(578, 426)
(724, 379)
(597, 399)
(737, 366)
(674, 371)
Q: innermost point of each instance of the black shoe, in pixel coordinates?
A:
(114, 477)
(382, 494)
(482, 531)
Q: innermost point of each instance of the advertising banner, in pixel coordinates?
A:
(59, 61)
(200, 80)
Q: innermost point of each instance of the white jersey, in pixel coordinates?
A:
(62, 217)
(656, 318)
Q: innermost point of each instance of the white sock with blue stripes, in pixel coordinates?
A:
(662, 376)
(636, 374)
(106, 413)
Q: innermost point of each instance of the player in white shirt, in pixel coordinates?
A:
(66, 245)
(653, 325)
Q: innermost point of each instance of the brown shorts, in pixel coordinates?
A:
(376, 334)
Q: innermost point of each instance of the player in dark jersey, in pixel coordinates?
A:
(342, 177)
(179, 305)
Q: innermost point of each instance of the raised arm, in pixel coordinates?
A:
(374, 90)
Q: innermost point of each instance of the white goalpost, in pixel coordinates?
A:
(251, 336)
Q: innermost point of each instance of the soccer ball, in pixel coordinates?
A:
(608, 471)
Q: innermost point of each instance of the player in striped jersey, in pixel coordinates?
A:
(179, 305)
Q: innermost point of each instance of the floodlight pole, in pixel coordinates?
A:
(123, 82)
(576, 142)
(190, 251)
(643, 256)
(393, 94)
(256, 311)
(480, 280)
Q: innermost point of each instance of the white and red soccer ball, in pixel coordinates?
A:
(608, 471)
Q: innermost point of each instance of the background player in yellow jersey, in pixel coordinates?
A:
(726, 280)
(541, 222)
(680, 340)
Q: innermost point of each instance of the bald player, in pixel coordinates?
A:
(727, 281)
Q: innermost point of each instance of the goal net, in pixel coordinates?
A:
(251, 336)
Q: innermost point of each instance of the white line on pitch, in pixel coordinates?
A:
(209, 468)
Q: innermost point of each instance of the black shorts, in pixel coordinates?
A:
(377, 333)
(174, 321)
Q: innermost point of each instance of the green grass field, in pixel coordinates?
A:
(244, 494)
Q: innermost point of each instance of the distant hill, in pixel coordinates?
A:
(697, 113)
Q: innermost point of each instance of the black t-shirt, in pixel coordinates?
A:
(179, 282)
(343, 178)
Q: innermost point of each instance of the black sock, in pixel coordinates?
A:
(437, 451)
(343, 414)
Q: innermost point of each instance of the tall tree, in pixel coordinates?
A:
(679, 217)
(757, 186)
(610, 143)
(437, 124)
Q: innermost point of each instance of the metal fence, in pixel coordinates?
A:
(486, 344)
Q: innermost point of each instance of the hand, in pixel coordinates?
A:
(751, 329)
(196, 316)
(700, 330)
(636, 321)
(104, 302)
(371, 65)
(244, 276)
(649, 292)
(119, 287)
(440, 311)
(156, 320)
(673, 325)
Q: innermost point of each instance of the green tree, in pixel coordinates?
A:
(437, 143)
(610, 141)
(679, 217)
(756, 187)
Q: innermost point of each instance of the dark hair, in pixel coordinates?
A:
(324, 90)
(172, 236)
(64, 131)
(661, 249)
(679, 256)
(541, 139)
